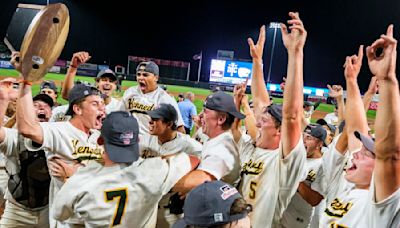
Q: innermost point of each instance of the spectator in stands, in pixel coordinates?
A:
(188, 111)
(50, 88)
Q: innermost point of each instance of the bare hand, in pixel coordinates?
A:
(59, 168)
(79, 58)
(383, 66)
(335, 91)
(15, 60)
(7, 90)
(353, 64)
(296, 39)
(256, 51)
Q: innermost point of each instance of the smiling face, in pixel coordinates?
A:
(49, 92)
(90, 111)
(360, 173)
(147, 82)
(42, 110)
(106, 85)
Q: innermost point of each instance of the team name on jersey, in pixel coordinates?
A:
(338, 209)
(311, 175)
(85, 152)
(252, 168)
(134, 106)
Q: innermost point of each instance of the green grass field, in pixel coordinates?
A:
(171, 88)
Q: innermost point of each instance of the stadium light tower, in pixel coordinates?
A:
(275, 26)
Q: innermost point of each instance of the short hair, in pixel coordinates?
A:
(189, 95)
(228, 121)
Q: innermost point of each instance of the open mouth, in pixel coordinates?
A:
(142, 85)
(352, 167)
(99, 120)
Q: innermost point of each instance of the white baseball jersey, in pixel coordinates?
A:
(127, 197)
(113, 106)
(149, 146)
(299, 212)
(220, 158)
(63, 139)
(358, 208)
(268, 180)
(200, 136)
(331, 118)
(58, 114)
(11, 147)
(139, 103)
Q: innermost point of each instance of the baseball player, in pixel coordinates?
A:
(169, 141)
(146, 96)
(27, 191)
(272, 168)
(50, 88)
(74, 140)
(125, 190)
(219, 157)
(301, 209)
(372, 198)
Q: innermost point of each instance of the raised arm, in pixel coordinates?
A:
(372, 90)
(336, 92)
(356, 119)
(258, 89)
(387, 123)
(78, 58)
(28, 126)
(292, 110)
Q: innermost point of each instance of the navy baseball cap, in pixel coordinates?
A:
(48, 85)
(120, 132)
(209, 204)
(80, 91)
(317, 131)
(367, 141)
(164, 111)
(275, 111)
(149, 66)
(107, 73)
(220, 101)
(45, 98)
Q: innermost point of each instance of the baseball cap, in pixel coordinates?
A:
(78, 92)
(148, 66)
(367, 141)
(120, 132)
(107, 73)
(220, 101)
(321, 122)
(209, 204)
(275, 111)
(316, 131)
(164, 111)
(45, 98)
(48, 85)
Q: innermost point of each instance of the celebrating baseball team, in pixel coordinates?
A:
(102, 161)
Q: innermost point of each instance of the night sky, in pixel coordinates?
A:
(171, 30)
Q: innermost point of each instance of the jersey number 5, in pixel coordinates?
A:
(122, 195)
(252, 193)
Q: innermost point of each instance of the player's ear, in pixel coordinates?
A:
(77, 109)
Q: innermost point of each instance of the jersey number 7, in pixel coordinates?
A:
(122, 194)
